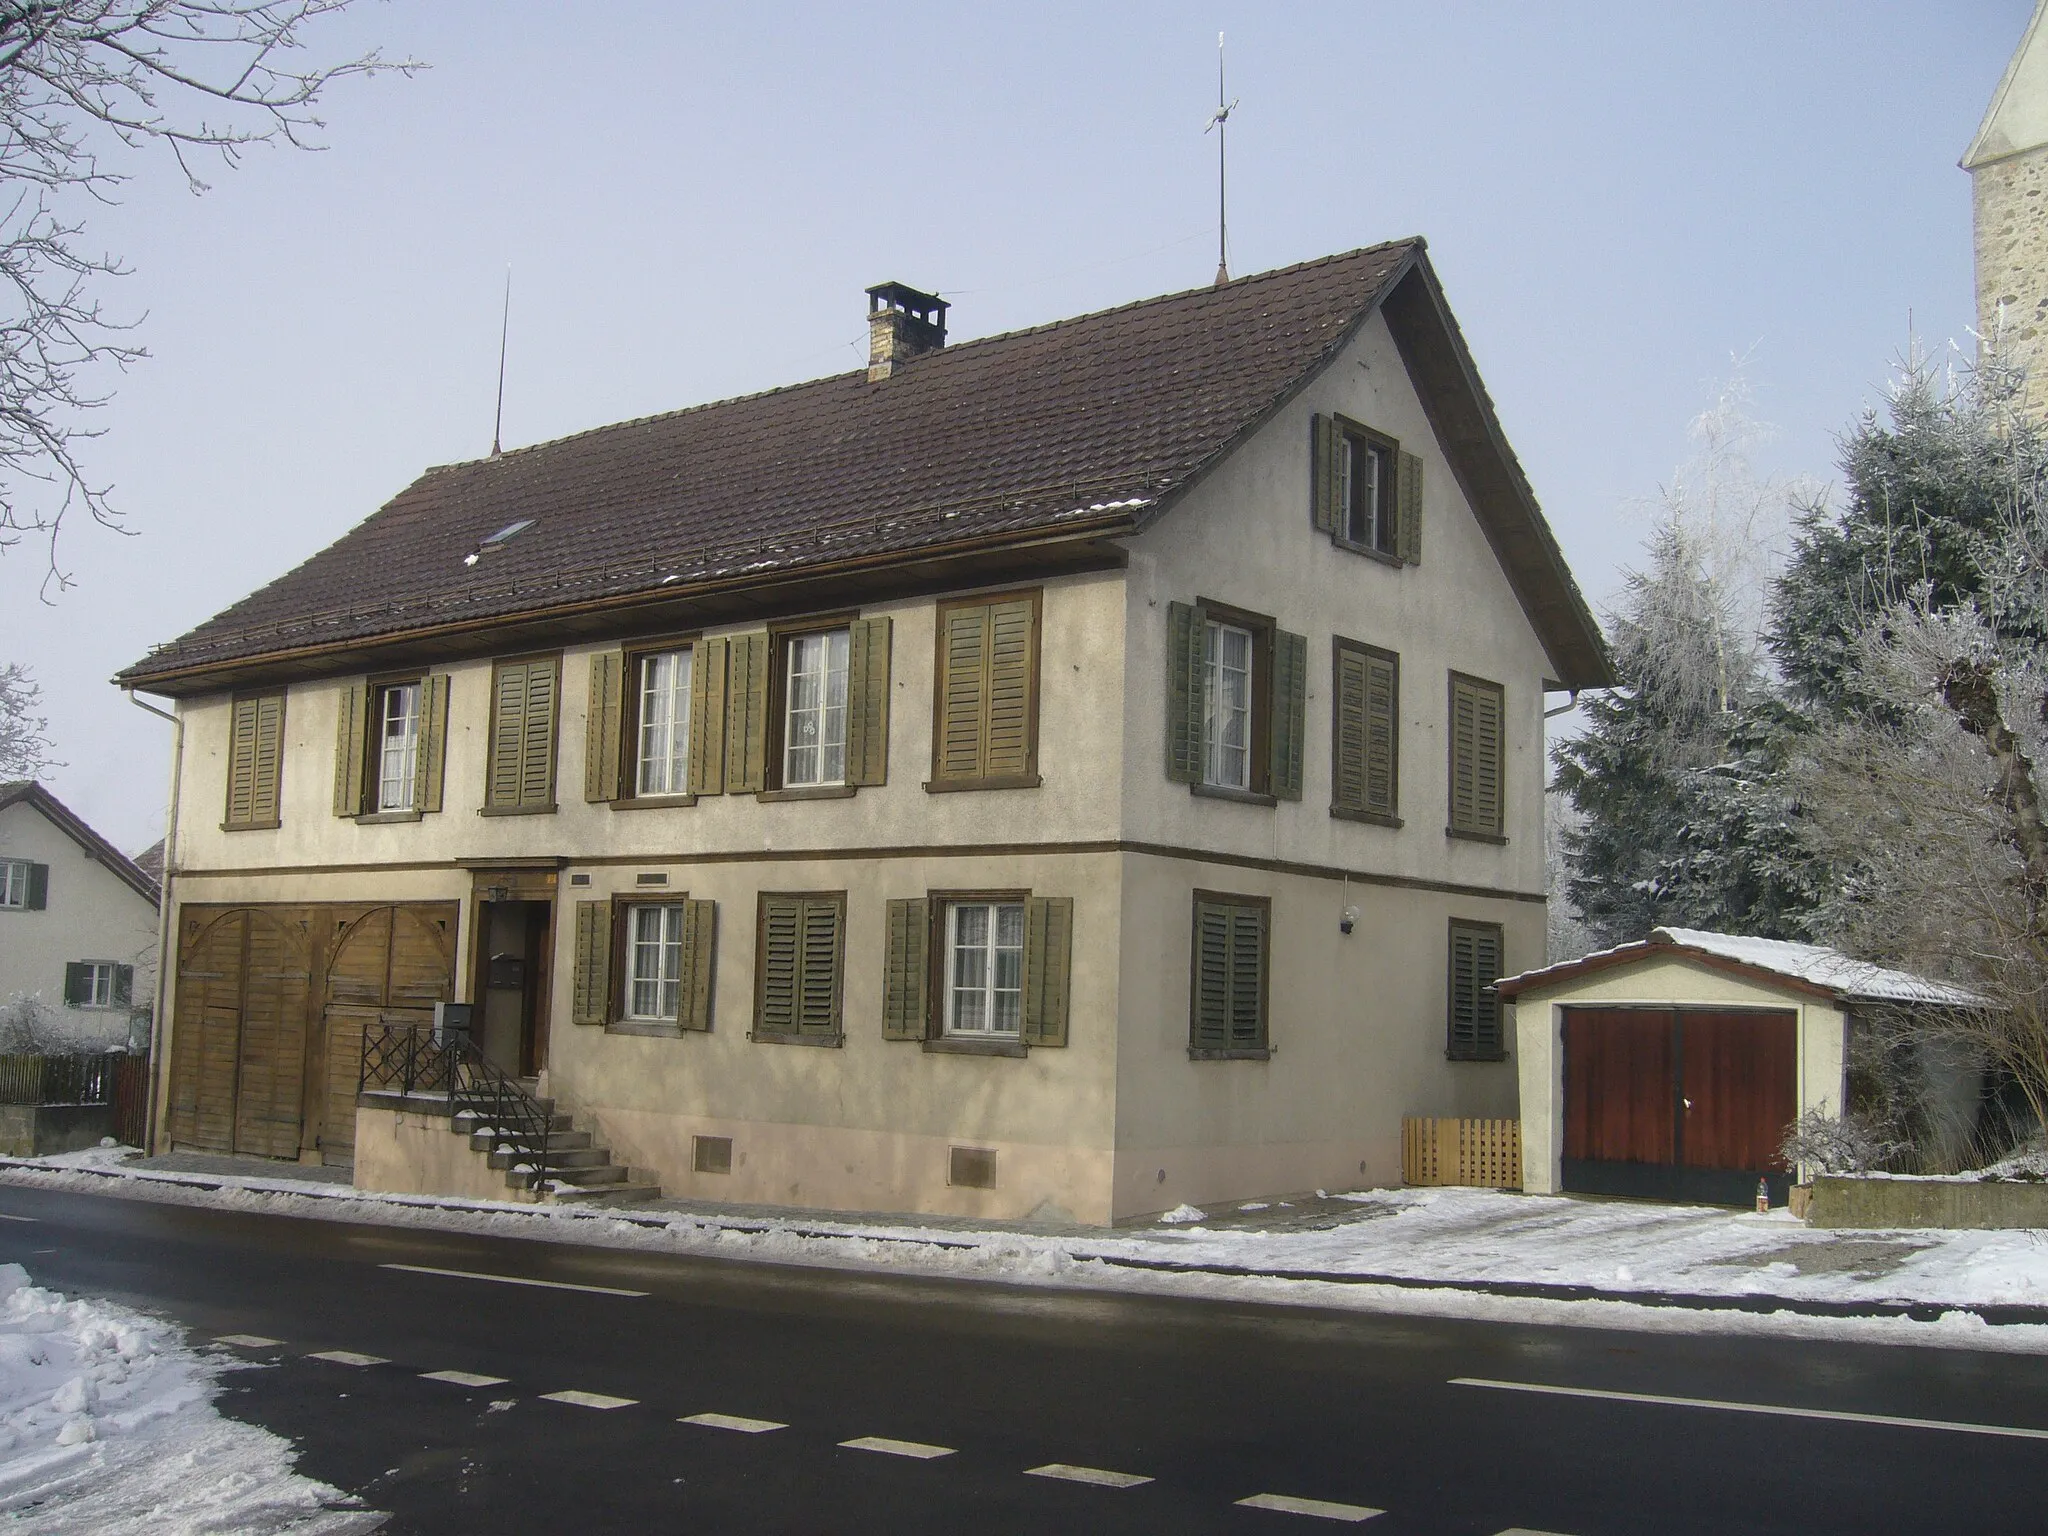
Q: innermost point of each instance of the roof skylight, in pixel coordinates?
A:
(506, 532)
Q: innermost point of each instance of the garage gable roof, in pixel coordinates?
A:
(1810, 968)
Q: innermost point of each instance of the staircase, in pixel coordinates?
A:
(568, 1167)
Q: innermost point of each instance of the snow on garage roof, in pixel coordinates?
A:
(1813, 966)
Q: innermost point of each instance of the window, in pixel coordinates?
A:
(389, 745)
(1227, 988)
(1477, 708)
(662, 755)
(398, 746)
(24, 886)
(1366, 491)
(1365, 733)
(814, 716)
(1236, 703)
(799, 966)
(985, 968)
(985, 705)
(520, 773)
(98, 984)
(255, 761)
(644, 967)
(654, 963)
(1475, 961)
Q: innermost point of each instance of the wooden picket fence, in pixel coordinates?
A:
(105, 1077)
(1484, 1154)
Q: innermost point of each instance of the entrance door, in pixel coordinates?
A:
(512, 983)
(1678, 1104)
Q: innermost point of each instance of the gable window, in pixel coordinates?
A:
(389, 743)
(24, 886)
(1236, 703)
(1227, 977)
(1474, 1026)
(1366, 492)
(801, 960)
(984, 968)
(98, 984)
(519, 774)
(662, 754)
(1365, 733)
(1477, 709)
(814, 715)
(255, 762)
(398, 746)
(985, 705)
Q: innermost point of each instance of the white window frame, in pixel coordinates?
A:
(654, 963)
(14, 878)
(398, 746)
(100, 983)
(814, 709)
(1219, 709)
(661, 749)
(983, 988)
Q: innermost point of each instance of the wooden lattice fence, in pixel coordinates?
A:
(1485, 1154)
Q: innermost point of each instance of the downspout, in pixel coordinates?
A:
(163, 917)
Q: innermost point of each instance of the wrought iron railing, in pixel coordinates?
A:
(420, 1063)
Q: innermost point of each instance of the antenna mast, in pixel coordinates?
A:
(1222, 116)
(504, 330)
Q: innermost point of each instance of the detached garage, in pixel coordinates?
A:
(1670, 1069)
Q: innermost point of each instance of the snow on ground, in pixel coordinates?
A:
(107, 1428)
(1410, 1250)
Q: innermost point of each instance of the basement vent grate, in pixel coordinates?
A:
(711, 1154)
(972, 1168)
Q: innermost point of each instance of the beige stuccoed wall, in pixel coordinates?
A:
(1658, 982)
(405, 1153)
(91, 914)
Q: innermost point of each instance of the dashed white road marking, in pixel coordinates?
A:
(546, 1285)
(1322, 1509)
(1954, 1426)
(589, 1399)
(889, 1447)
(734, 1422)
(5, 1217)
(1096, 1476)
(347, 1357)
(1522, 1530)
(248, 1341)
(464, 1378)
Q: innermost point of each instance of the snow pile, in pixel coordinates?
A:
(107, 1427)
(1182, 1214)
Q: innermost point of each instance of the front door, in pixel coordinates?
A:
(512, 984)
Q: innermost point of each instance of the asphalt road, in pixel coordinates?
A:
(1213, 1403)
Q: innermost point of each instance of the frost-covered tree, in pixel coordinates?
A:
(24, 733)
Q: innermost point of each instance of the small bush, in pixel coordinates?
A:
(1849, 1143)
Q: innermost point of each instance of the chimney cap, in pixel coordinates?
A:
(928, 307)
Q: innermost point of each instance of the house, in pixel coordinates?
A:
(1671, 1068)
(78, 929)
(1079, 770)
(2008, 165)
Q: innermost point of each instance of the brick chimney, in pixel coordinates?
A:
(902, 323)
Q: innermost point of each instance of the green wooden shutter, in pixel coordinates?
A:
(1012, 659)
(1325, 444)
(867, 701)
(38, 888)
(1382, 734)
(781, 961)
(746, 713)
(241, 763)
(537, 740)
(77, 983)
(508, 728)
(521, 773)
(433, 752)
(817, 1002)
(1476, 746)
(1475, 1018)
(1364, 755)
(707, 718)
(255, 760)
(269, 776)
(591, 995)
(1348, 730)
(961, 749)
(1247, 994)
(350, 750)
(1408, 531)
(124, 986)
(1289, 734)
(905, 969)
(1185, 633)
(1048, 969)
(601, 727)
(1210, 1027)
(700, 950)
(1486, 779)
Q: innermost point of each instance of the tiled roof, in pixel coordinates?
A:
(1814, 965)
(1081, 426)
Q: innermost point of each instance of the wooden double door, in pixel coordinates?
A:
(1678, 1103)
(267, 1031)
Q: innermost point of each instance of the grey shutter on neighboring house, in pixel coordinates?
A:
(590, 996)
(38, 888)
(1290, 713)
(1325, 443)
(746, 713)
(1185, 633)
(700, 950)
(1475, 960)
(77, 983)
(867, 701)
(1409, 530)
(707, 718)
(1048, 969)
(603, 716)
(350, 750)
(433, 753)
(124, 986)
(905, 970)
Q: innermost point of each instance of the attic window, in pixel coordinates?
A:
(506, 533)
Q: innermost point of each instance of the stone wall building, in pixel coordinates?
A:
(2008, 166)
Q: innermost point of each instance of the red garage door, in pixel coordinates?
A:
(1678, 1103)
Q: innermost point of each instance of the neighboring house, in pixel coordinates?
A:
(2008, 166)
(78, 925)
(1671, 1068)
(1086, 769)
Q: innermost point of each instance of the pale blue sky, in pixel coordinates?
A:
(1619, 198)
